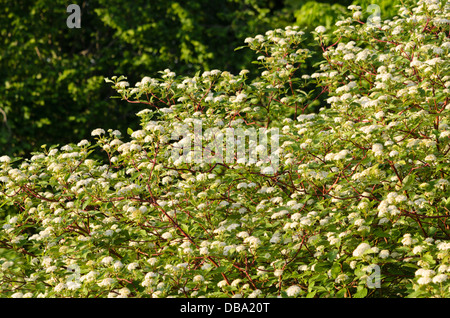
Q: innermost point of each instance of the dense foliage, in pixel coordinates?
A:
(51, 76)
(362, 185)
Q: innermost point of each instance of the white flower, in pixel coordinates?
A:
(380, 114)
(253, 241)
(123, 84)
(243, 72)
(89, 277)
(440, 278)
(349, 56)
(303, 268)
(222, 283)
(97, 132)
(60, 287)
(397, 30)
(232, 227)
(401, 198)
(106, 282)
(341, 278)
(293, 291)
(69, 147)
(341, 154)
(82, 143)
(118, 265)
(236, 282)
(5, 159)
(354, 7)
(424, 280)
(393, 153)
(434, 61)
(407, 240)
(275, 238)
(13, 220)
(418, 249)
(242, 234)
(320, 29)
(73, 285)
(357, 15)
(255, 293)
(106, 260)
(443, 246)
(146, 80)
(384, 254)
(278, 272)
(7, 264)
(346, 96)
(152, 261)
(334, 240)
(377, 149)
(240, 98)
(425, 274)
(132, 266)
(267, 170)
(430, 158)
(359, 251)
(51, 269)
(123, 292)
(198, 278)
(242, 185)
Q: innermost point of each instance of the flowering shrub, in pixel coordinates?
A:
(360, 186)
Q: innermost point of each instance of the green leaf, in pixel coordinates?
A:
(380, 233)
(429, 258)
(311, 294)
(332, 255)
(86, 203)
(220, 269)
(335, 270)
(184, 227)
(341, 293)
(408, 181)
(361, 292)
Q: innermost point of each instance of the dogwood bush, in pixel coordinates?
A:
(359, 188)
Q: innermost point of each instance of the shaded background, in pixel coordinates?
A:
(51, 77)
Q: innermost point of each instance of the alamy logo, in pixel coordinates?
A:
(230, 145)
(74, 19)
(374, 279)
(374, 20)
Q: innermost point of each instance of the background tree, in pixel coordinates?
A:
(52, 88)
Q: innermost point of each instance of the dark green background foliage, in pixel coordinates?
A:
(51, 77)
